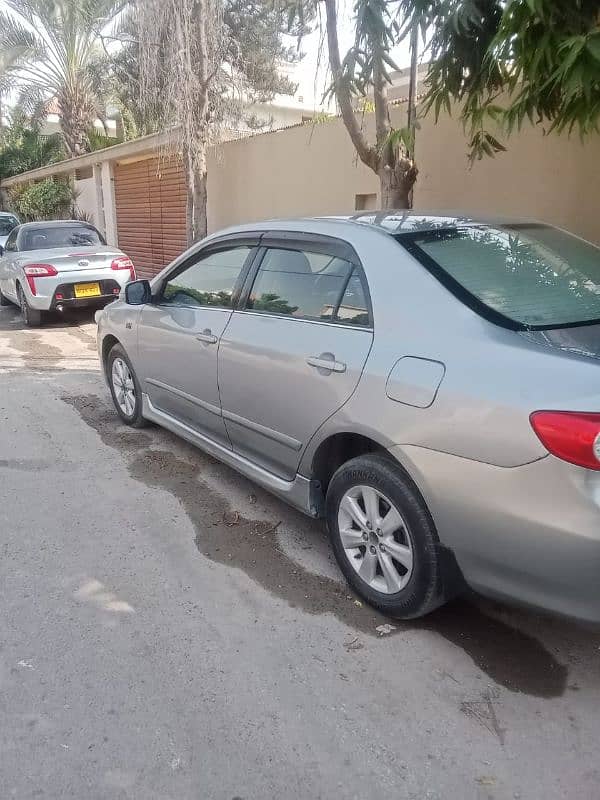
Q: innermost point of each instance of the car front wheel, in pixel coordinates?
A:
(124, 387)
(384, 538)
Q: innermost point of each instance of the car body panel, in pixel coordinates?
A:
(522, 524)
(179, 371)
(528, 534)
(265, 382)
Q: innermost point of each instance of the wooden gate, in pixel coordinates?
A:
(150, 198)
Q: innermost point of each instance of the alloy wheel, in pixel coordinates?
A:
(376, 539)
(124, 387)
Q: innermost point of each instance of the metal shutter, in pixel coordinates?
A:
(150, 198)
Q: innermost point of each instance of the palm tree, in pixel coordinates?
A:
(50, 48)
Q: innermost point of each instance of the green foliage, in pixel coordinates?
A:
(48, 50)
(507, 61)
(98, 141)
(47, 199)
(22, 147)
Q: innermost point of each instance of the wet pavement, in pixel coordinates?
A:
(171, 630)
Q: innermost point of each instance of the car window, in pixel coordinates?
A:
(353, 308)
(299, 283)
(532, 274)
(210, 281)
(7, 223)
(60, 236)
(11, 242)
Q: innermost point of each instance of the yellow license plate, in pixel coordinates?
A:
(87, 290)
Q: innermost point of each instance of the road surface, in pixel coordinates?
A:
(170, 631)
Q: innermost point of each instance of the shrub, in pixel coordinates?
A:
(47, 199)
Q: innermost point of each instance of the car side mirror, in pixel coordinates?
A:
(138, 293)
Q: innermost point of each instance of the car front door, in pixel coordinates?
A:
(295, 348)
(179, 333)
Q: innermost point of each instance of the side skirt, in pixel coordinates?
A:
(301, 493)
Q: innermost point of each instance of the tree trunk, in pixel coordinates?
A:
(200, 203)
(396, 183)
(197, 196)
(75, 120)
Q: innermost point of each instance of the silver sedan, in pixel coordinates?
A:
(52, 266)
(426, 383)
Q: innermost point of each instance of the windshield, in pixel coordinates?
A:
(7, 224)
(532, 275)
(61, 236)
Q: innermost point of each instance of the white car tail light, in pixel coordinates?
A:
(33, 271)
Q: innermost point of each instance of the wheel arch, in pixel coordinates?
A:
(108, 343)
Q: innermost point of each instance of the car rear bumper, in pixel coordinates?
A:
(48, 288)
(529, 534)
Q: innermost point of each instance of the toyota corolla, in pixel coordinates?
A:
(428, 384)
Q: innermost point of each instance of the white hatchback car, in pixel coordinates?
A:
(52, 266)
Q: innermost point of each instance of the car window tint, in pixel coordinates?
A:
(61, 236)
(210, 281)
(299, 283)
(535, 275)
(353, 308)
(11, 242)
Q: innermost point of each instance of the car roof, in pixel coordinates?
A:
(386, 221)
(411, 221)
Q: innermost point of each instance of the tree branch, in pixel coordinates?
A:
(367, 154)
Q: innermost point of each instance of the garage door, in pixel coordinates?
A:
(150, 198)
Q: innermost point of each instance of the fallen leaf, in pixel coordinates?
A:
(486, 780)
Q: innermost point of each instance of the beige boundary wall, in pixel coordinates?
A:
(312, 170)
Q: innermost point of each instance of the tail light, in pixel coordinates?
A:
(570, 435)
(124, 262)
(33, 271)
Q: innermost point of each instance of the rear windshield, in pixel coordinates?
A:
(58, 236)
(7, 224)
(527, 276)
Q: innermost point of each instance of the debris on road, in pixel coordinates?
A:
(384, 630)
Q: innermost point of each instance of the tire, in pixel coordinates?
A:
(31, 316)
(406, 588)
(125, 388)
(4, 301)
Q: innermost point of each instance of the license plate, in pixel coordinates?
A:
(87, 290)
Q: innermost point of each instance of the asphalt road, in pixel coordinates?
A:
(169, 630)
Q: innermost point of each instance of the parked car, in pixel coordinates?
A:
(52, 266)
(428, 384)
(7, 223)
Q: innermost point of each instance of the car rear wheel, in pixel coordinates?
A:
(125, 387)
(31, 316)
(383, 537)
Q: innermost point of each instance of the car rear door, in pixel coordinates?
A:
(295, 348)
(179, 333)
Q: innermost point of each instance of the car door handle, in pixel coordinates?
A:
(207, 337)
(326, 361)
